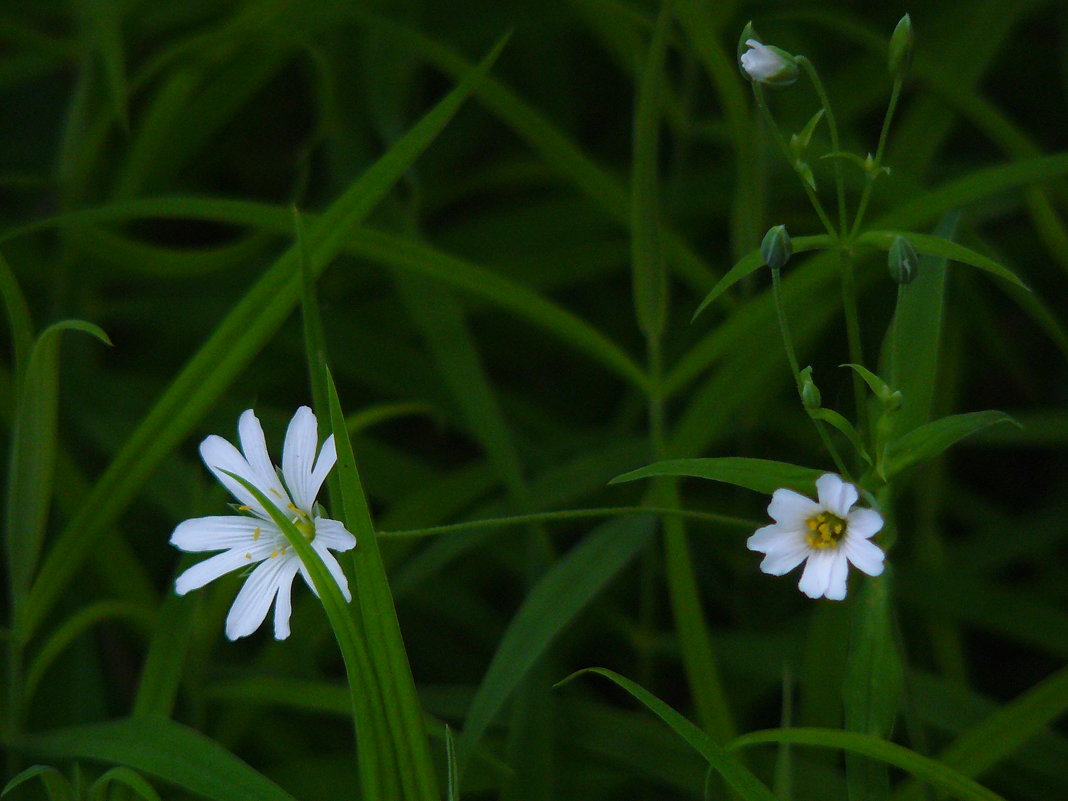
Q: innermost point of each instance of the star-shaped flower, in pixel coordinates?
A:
(829, 533)
(253, 538)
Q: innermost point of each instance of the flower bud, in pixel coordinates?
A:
(810, 393)
(903, 261)
(768, 65)
(777, 248)
(899, 56)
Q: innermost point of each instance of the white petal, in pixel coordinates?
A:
(254, 446)
(788, 554)
(298, 456)
(817, 575)
(210, 569)
(835, 495)
(220, 455)
(220, 532)
(283, 604)
(334, 568)
(864, 523)
(836, 583)
(323, 465)
(333, 534)
(791, 508)
(864, 554)
(254, 599)
(765, 538)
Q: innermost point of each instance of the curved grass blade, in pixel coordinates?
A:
(230, 348)
(56, 785)
(931, 439)
(131, 780)
(161, 748)
(929, 770)
(564, 591)
(33, 455)
(753, 261)
(736, 775)
(945, 248)
(759, 475)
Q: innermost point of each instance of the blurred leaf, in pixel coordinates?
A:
(759, 475)
(56, 785)
(98, 790)
(161, 748)
(18, 317)
(931, 439)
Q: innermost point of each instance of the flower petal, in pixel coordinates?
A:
(766, 538)
(836, 582)
(254, 446)
(789, 552)
(334, 568)
(283, 604)
(864, 554)
(333, 534)
(791, 509)
(210, 569)
(323, 465)
(220, 455)
(298, 456)
(835, 495)
(817, 576)
(220, 532)
(254, 599)
(864, 523)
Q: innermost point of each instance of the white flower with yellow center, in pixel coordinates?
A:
(829, 533)
(253, 538)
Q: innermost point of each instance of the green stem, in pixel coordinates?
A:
(852, 319)
(869, 180)
(787, 340)
(895, 339)
(571, 514)
(832, 126)
(758, 93)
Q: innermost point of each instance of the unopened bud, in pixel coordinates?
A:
(777, 248)
(903, 261)
(810, 393)
(768, 65)
(899, 55)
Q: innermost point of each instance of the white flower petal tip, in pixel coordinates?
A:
(768, 65)
(252, 542)
(827, 535)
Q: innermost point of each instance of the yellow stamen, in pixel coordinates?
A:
(244, 508)
(248, 556)
(275, 492)
(274, 553)
(255, 535)
(825, 530)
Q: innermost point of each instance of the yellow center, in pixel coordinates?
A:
(303, 523)
(825, 530)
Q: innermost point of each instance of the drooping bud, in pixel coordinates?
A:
(810, 393)
(903, 261)
(768, 65)
(777, 248)
(748, 32)
(899, 55)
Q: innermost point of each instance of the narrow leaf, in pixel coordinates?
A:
(931, 439)
(56, 785)
(759, 475)
(936, 246)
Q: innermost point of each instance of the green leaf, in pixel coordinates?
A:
(18, 316)
(649, 275)
(453, 770)
(33, 455)
(561, 593)
(161, 748)
(753, 261)
(936, 246)
(385, 644)
(55, 783)
(931, 439)
(759, 475)
(104, 32)
(98, 790)
(874, 382)
(935, 773)
(734, 773)
(833, 418)
(233, 344)
(873, 684)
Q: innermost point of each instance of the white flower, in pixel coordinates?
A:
(766, 64)
(254, 539)
(829, 534)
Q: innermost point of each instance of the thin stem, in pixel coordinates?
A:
(828, 443)
(895, 338)
(570, 514)
(832, 126)
(869, 180)
(787, 340)
(852, 319)
(758, 93)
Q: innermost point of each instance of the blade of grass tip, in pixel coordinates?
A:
(385, 642)
(747, 786)
(924, 768)
(647, 259)
(55, 783)
(351, 644)
(33, 455)
(233, 344)
(18, 318)
(564, 590)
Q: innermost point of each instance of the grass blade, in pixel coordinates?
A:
(760, 475)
